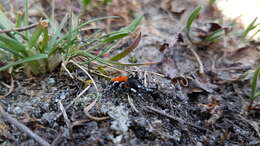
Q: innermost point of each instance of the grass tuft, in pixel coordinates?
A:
(41, 47)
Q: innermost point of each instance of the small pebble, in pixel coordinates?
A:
(51, 81)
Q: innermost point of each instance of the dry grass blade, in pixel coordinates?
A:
(201, 67)
(82, 68)
(11, 87)
(65, 115)
(89, 107)
(80, 122)
(65, 68)
(251, 123)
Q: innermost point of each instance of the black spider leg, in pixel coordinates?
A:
(135, 86)
(139, 94)
(138, 85)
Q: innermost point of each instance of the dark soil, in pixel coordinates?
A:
(184, 107)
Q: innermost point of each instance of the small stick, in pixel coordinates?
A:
(131, 102)
(67, 121)
(22, 127)
(65, 68)
(251, 123)
(11, 87)
(145, 79)
(72, 102)
(174, 118)
(20, 28)
(201, 67)
(57, 140)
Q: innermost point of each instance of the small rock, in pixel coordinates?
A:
(51, 81)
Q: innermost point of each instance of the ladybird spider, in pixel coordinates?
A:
(132, 83)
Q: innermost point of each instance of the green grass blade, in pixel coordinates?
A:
(57, 33)
(100, 54)
(18, 20)
(130, 28)
(35, 36)
(254, 83)
(256, 96)
(215, 35)
(73, 33)
(107, 1)
(13, 52)
(194, 15)
(125, 30)
(250, 27)
(211, 2)
(13, 44)
(115, 36)
(109, 62)
(5, 23)
(86, 2)
(77, 29)
(27, 59)
(133, 25)
(127, 50)
(26, 16)
(45, 40)
(92, 21)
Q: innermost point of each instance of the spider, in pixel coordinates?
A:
(129, 83)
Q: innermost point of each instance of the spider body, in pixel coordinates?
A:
(131, 83)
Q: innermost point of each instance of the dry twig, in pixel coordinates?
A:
(58, 140)
(72, 102)
(131, 102)
(11, 88)
(174, 118)
(67, 121)
(65, 68)
(4, 115)
(20, 28)
(201, 67)
(251, 123)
